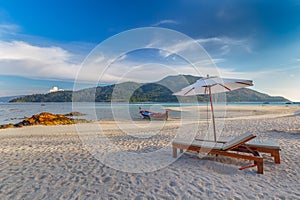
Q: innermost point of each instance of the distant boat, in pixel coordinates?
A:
(147, 114)
(266, 102)
(289, 103)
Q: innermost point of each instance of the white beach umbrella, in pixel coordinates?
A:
(212, 85)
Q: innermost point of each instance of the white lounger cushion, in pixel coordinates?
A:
(201, 144)
(215, 145)
(237, 140)
(208, 144)
(268, 144)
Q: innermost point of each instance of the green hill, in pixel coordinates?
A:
(60, 96)
(160, 91)
(8, 98)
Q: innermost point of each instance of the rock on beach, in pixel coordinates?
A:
(47, 119)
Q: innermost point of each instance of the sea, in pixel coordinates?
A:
(16, 112)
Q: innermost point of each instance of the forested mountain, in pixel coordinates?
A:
(160, 91)
(8, 98)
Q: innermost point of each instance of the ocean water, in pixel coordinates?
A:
(16, 112)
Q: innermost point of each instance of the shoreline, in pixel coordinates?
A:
(200, 113)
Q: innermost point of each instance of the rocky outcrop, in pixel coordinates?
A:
(47, 119)
(74, 114)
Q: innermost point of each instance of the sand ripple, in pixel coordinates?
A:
(58, 166)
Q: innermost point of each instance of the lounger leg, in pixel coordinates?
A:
(260, 167)
(276, 156)
(181, 150)
(174, 152)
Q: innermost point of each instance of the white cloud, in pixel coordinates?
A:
(226, 44)
(26, 60)
(291, 93)
(55, 89)
(178, 47)
(277, 82)
(166, 21)
(14, 92)
(150, 72)
(23, 59)
(17, 50)
(222, 44)
(8, 29)
(122, 57)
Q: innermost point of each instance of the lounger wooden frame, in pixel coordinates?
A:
(273, 151)
(230, 152)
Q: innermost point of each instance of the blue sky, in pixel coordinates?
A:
(43, 43)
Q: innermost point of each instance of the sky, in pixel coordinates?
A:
(47, 43)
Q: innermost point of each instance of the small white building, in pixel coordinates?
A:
(55, 89)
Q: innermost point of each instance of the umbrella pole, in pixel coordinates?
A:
(212, 112)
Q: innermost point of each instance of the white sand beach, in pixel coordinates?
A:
(57, 162)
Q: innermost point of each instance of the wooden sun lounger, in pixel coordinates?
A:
(225, 149)
(266, 146)
(263, 146)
